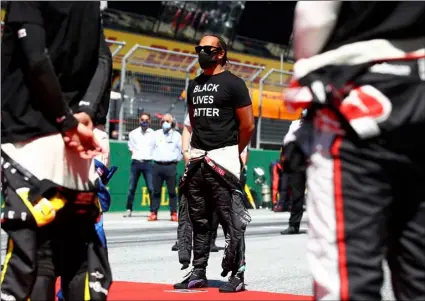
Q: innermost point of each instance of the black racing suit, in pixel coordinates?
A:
(363, 137)
(206, 187)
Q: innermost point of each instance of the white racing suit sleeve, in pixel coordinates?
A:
(103, 139)
(228, 157)
(313, 24)
(291, 135)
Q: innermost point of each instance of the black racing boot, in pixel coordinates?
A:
(195, 279)
(234, 285)
(175, 247)
(290, 230)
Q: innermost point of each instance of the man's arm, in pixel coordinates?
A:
(186, 136)
(244, 156)
(98, 92)
(244, 113)
(25, 18)
(246, 126)
(131, 143)
(313, 24)
(179, 145)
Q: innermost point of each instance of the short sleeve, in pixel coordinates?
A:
(24, 12)
(240, 95)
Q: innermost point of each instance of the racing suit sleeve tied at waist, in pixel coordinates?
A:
(50, 231)
(236, 219)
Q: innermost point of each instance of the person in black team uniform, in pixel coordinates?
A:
(222, 124)
(50, 60)
(296, 182)
(360, 70)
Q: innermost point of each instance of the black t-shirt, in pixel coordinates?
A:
(72, 31)
(212, 102)
(363, 21)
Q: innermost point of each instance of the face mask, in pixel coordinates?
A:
(206, 61)
(144, 124)
(166, 126)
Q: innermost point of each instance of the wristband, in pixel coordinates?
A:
(66, 122)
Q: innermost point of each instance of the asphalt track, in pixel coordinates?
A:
(140, 251)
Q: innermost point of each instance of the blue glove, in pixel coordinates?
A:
(101, 232)
(104, 197)
(59, 295)
(104, 173)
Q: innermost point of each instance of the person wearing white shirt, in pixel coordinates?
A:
(167, 152)
(140, 144)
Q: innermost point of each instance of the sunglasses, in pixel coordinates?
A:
(207, 49)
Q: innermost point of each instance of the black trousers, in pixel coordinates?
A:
(209, 201)
(284, 199)
(297, 182)
(139, 168)
(161, 173)
(68, 248)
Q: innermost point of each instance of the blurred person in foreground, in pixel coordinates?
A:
(99, 91)
(140, 144)
(222, 124)
(360, 70)
(296, 181)
(50, 55)
(167, 152)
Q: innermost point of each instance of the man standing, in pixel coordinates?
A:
(361, 71)
(50, 54)
(167, 152)
(222, 124)
(296, 182)
(140, 144)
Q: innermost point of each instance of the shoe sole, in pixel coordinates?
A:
(236, 291)
(196, 284)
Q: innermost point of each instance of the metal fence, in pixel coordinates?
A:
(115, 47)
(156, 80)
(153, 80)
(272, 130)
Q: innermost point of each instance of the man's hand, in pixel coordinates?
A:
(81, 139)
(85, 119)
